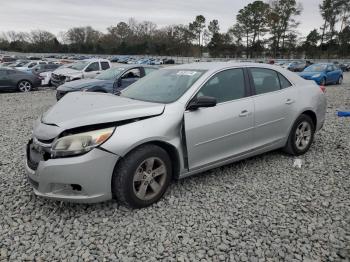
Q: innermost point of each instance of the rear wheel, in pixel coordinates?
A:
(24, 86)
(142, 177)
(340, 80)
(301, 136)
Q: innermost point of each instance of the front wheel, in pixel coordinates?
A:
(340, 80)
(24, 86)
(323, 81)
(301, 136)
(142, 177)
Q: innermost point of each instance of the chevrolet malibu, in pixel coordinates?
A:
(171, 124)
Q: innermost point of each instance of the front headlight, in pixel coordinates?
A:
(80, 143)
(317, 75)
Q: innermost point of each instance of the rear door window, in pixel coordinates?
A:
(105, 65)
(93, 67)
(265, 80)
(284, 81)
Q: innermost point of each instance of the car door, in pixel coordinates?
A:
(8, 79)
(275, 100)
(92, 70)
(3, 78)
(215, 134)
(330, 73)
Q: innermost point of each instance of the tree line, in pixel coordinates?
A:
(262, 29)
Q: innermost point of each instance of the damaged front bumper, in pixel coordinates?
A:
(83, 179)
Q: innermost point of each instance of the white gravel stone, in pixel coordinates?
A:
(260, 209)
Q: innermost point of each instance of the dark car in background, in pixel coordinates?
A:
(298, 66)
(345, 67)
(111, 81)
(15, 80)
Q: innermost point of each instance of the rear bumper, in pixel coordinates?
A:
(81, 179)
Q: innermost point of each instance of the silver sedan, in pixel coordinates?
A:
(173, 123)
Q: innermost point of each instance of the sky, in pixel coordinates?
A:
(59, 15)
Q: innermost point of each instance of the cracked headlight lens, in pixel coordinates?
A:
(81, 143)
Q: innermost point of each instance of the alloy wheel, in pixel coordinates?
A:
(303, 135)
(24, 86)
(149, 178)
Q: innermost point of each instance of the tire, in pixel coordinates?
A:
(323, 82)
(340, 80)
(133, 182)
(296, 145)
(24, 86)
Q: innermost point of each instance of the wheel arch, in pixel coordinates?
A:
(170, 149)
(312, 115)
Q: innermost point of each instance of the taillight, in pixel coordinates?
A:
(323, 88)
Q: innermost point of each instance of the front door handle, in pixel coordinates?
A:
(244, 113)
(290, 101)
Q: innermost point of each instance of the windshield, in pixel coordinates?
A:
(315, 68)
(79, 65)
(110, 74)
(163, 86)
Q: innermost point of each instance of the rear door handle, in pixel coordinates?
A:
(290, 101)
(244, 113)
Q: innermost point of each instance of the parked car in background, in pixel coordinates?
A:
(28, 66)
(298, 66)
(15, 80)
(5, 59)
(19, 63)
(345, 67)
(114, 59)
(44, 72)
(323, 74)
(5, 64)
(167, 61)
(111, 81)
(44, 68)
(83, 69)
(34, 58)
(176, 122)
(123, 60)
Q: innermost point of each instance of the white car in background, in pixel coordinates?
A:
(28, 67)
(88, 68)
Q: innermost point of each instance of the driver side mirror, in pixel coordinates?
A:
(202, 101)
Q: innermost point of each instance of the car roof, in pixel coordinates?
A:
(133, 66)
(212, 67)
(95, 60)
(219, 65)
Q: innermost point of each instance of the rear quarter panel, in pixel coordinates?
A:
(312, 98)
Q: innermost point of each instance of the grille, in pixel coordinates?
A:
(58, 77)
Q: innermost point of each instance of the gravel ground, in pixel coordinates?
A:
(261, 209)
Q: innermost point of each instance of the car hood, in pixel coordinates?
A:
(83, 83)
(66, 71)
(78, 109)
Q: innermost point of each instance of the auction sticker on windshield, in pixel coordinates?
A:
(186, 73)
